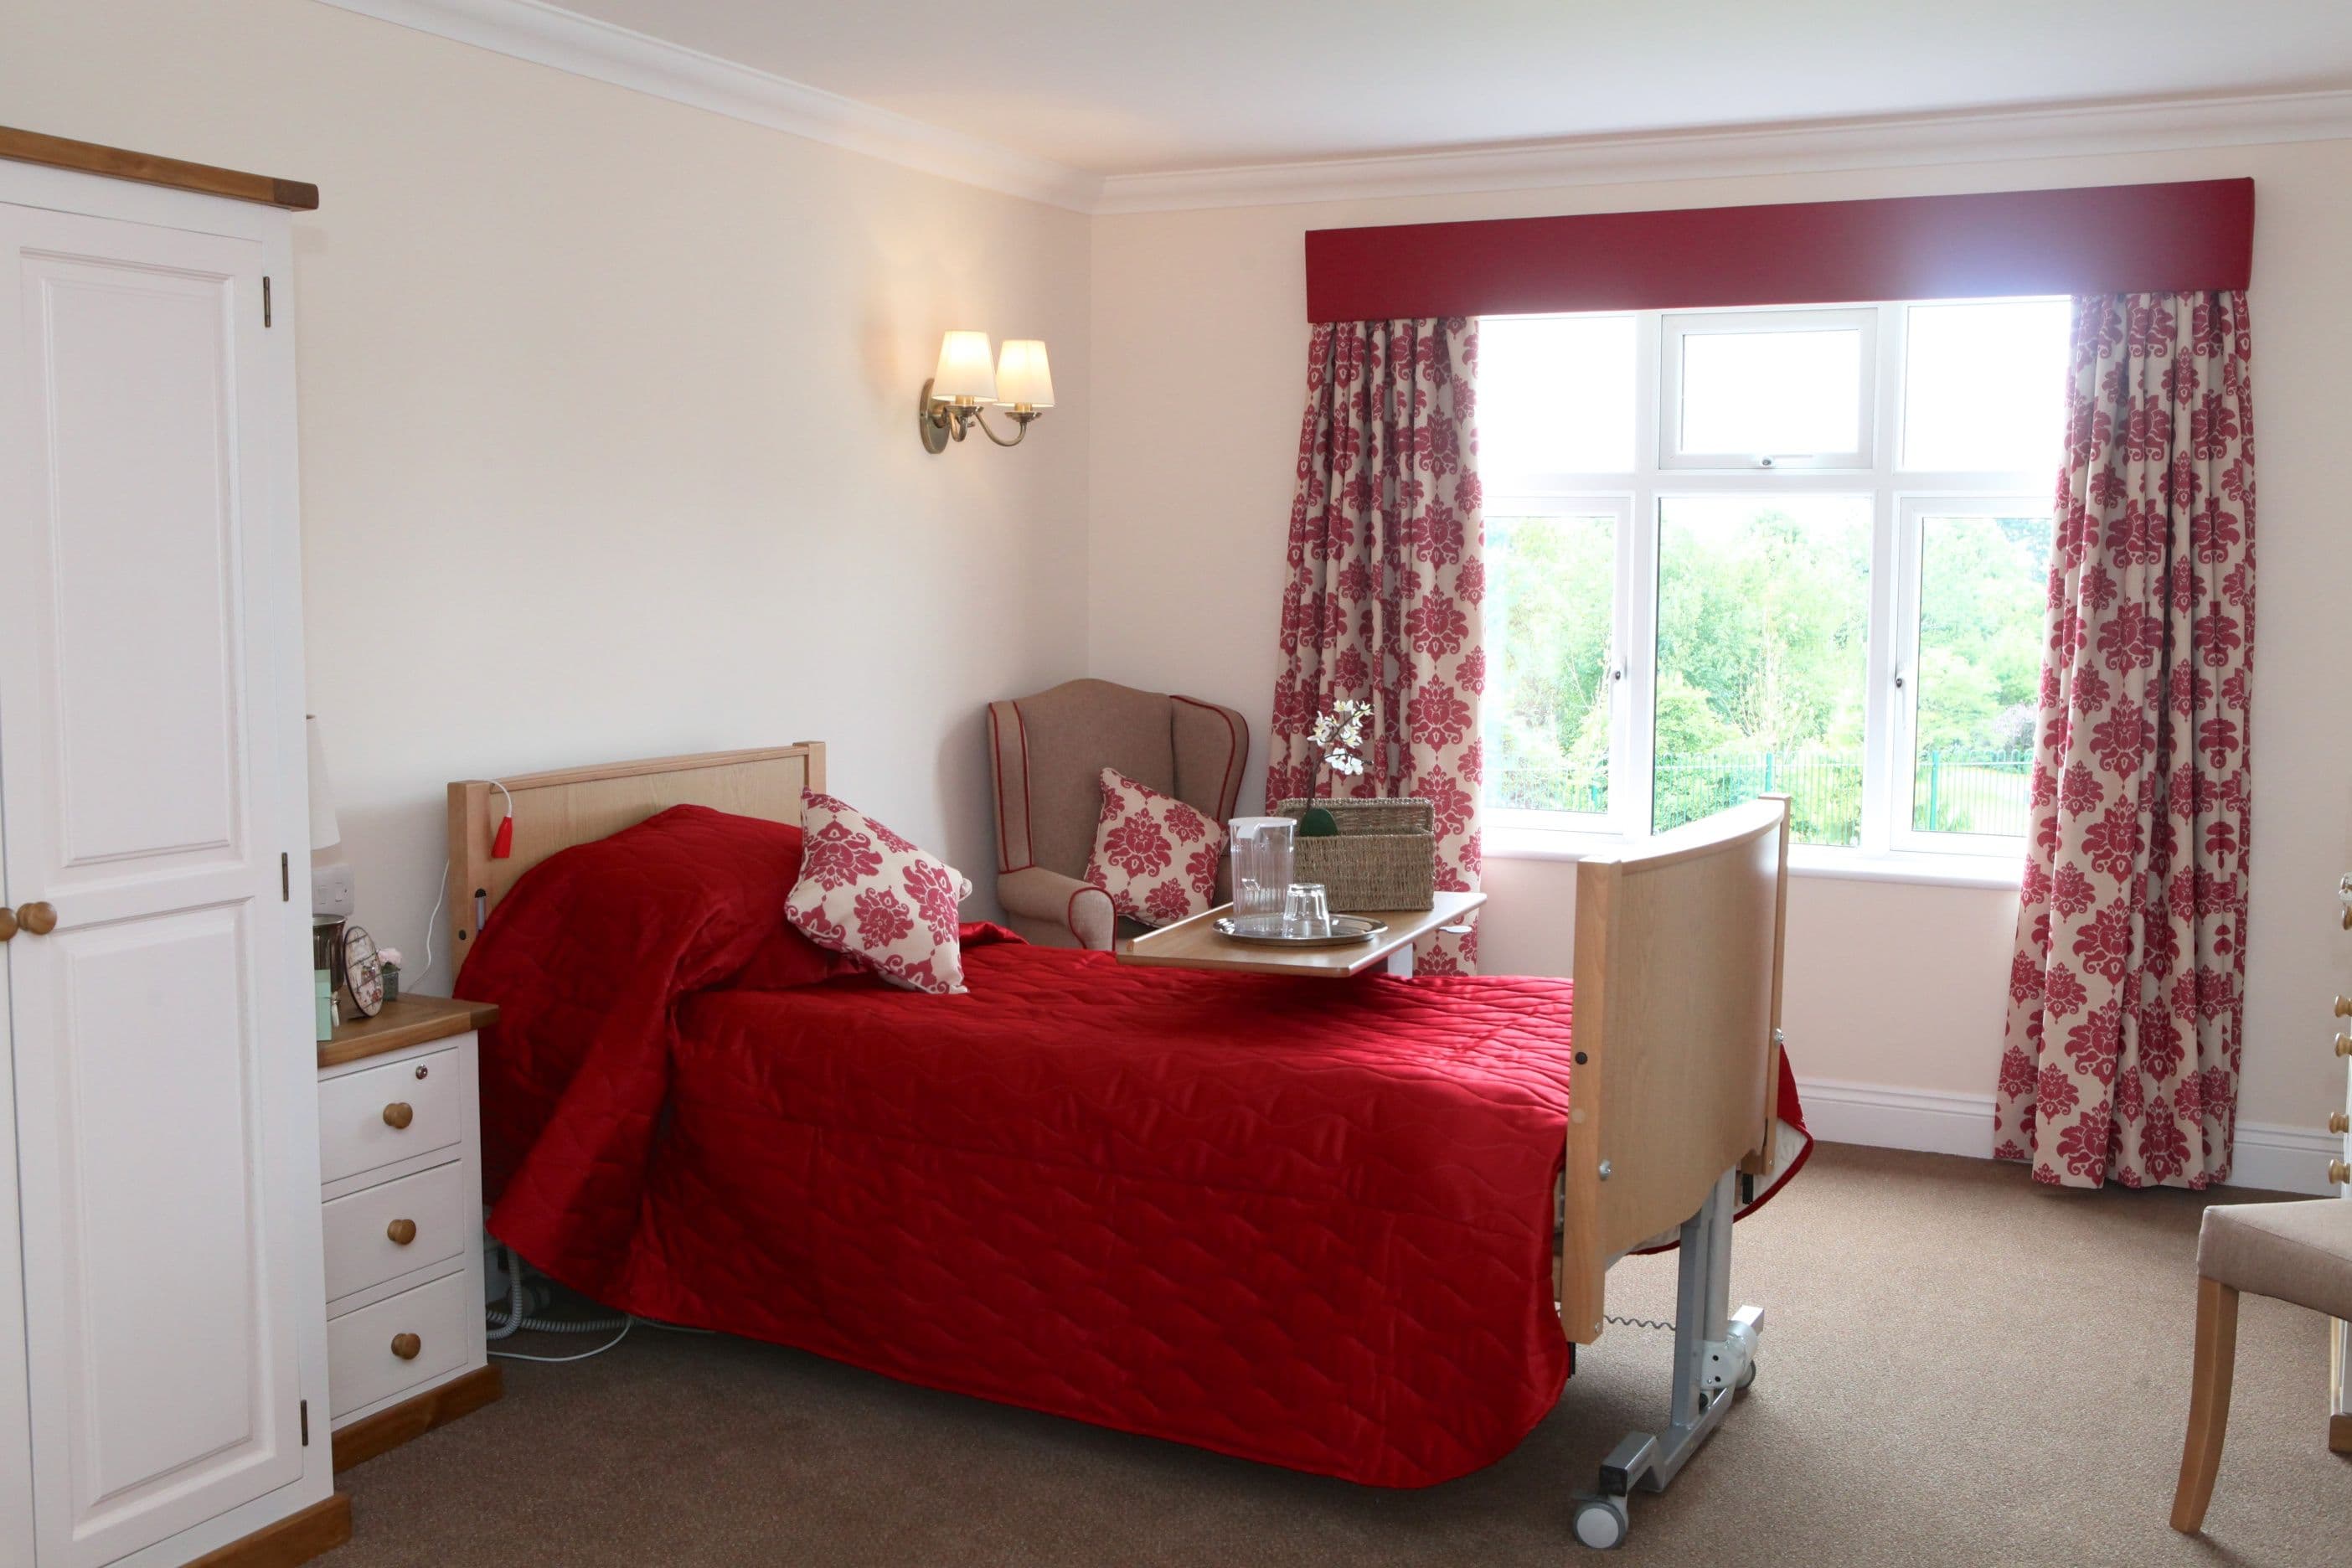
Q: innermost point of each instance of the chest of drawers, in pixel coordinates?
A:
(400, 1166)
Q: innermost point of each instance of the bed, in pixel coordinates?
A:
(1353, 1230)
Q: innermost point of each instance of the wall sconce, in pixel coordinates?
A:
(960, 390)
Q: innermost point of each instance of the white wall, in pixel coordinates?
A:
(1200, 349)
(607, 413)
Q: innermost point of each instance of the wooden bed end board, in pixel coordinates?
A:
(555, 810)
(1678, 950)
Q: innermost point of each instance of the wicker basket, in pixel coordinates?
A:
(1385, 856)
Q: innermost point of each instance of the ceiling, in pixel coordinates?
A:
(1115, 87)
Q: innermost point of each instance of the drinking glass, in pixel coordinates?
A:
(1306, 911)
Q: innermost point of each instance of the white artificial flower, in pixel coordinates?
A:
(1338, 735)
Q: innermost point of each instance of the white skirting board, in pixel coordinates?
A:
(2270, 1157)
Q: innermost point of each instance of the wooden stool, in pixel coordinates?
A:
(2299, 1252)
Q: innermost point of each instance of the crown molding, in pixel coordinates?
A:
(549, 35)
(564, 40)
(2143, 125)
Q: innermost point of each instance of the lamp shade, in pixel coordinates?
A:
(1022, 374)
(325, 832)
(964, 369)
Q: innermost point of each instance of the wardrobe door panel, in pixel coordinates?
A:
(156, 1028)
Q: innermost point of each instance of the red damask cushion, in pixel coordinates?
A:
(866, 891)
(1155, 855)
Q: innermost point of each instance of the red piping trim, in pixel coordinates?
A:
(1227, 787)
(996, 771)
(1028, 819)
(1070, 910)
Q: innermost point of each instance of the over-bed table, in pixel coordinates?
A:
(1676, 1047)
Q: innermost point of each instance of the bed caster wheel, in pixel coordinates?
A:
(1601, 1522)
(1746, 1377)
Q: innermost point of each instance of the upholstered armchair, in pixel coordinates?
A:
(1049, 751)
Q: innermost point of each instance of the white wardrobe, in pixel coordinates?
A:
(161, 1336)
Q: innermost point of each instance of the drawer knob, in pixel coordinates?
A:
(2338, 1173)
(398, 1114)
(402, 1231)
(406, 1346)
(2337, 1122)
(2344, 1006)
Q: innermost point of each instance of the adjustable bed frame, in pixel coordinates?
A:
(1678, 1005)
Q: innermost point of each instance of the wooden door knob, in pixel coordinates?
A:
(2344, 1045)
(2337, 1122)
(405, 1346)
(402, 1231)
(2344, 1006)
(7, 924)
(36, 918)
(399, 1114)
(2338, 1173)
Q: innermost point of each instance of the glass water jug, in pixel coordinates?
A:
(1264, 851)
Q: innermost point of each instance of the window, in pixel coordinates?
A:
(1793, 551)
(1770, 389)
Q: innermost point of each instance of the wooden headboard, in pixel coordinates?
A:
(1678, 949)
(554, 811)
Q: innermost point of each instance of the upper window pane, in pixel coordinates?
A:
(1548, 614)
(1766, 391)
(1984, 386)
(1763, 610)
(1554, 396)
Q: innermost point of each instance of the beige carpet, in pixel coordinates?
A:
(1957, 1368)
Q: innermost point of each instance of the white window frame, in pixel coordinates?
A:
(1912, 512)
(1678, 327)
(1900, 499)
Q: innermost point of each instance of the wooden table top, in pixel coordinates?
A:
(404, 1021)
(1195, 944)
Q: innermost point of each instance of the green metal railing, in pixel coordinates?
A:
(1954, 790)
(1966, 789)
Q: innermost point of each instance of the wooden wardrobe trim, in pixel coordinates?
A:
(148, 169)
(296, 1538)
(387, 1429)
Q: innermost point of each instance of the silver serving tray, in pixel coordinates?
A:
(1347, 931)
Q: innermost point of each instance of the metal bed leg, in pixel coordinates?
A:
(1715, 1356)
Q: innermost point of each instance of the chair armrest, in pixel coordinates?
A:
(1043, 894)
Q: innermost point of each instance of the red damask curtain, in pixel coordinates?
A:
(2126, 988)
(1387, 573)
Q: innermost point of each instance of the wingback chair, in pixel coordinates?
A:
(1049, 751)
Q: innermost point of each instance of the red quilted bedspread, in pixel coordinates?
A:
(1303, 1221)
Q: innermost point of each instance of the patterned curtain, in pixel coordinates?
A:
(1387, 570)
(2126, 990)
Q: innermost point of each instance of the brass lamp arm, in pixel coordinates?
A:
(1020, 419)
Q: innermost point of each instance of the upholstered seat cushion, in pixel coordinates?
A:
(2299, 1252)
